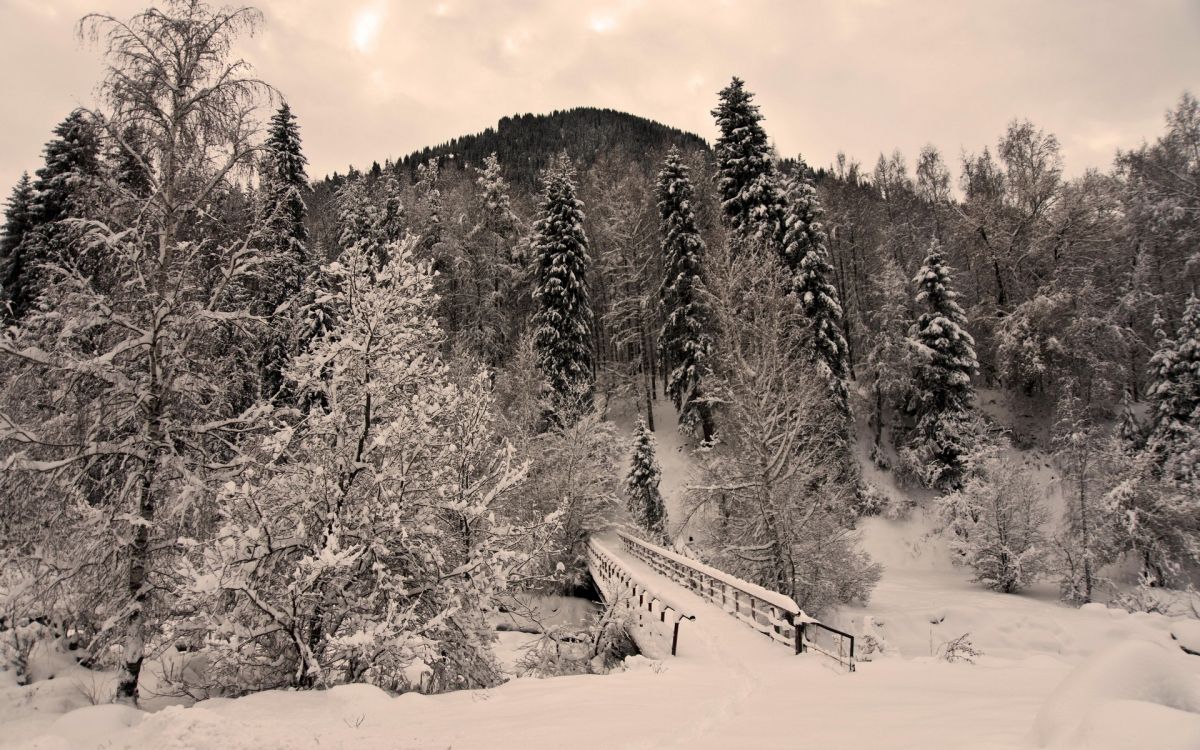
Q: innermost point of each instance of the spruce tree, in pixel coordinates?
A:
(945, 355)
(1175, 394)
(285, 252)
(18, 222)
(494, 270)
(284, 185)
(65, 188)
(562, 321)
(685, 340)
(806, 255)
(752, 200)
(645, 502)
(395, 218)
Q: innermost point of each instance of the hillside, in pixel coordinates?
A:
(525, 142)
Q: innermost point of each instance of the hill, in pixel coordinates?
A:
(525, 142)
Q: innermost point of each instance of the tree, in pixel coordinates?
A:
(562, 322)
(18, 223)
(645, 502)
(889, 364)
(369, 537)
(805, 254)
(998, 519)
(752, 200)
(495, 269)
(1159, 487)
(66, 188)
(685, 340)
(1087, 541)
(286, 260)
(774, 502)
(139, 374)
(945, 355)
(1175, 394)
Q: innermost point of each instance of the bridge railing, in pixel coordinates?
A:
(625, 589)
(769, 612)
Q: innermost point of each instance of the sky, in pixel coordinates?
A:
(369, 79)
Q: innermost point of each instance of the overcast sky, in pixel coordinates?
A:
(370, 79)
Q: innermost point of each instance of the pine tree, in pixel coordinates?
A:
(685, 340)
(1175, 394)
(359, 220)
(562, 321)
(18, 222)
(495, 270)
(752, 200)
(284, 185)
(945, 355)
(395, 219)
(645, 502)
(806, 255)
(65, 188)
(286, 259)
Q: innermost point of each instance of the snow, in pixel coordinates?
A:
(1108, 699)
(1049, 676)
(1187, 633)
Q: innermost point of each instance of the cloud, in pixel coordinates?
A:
(373, 78)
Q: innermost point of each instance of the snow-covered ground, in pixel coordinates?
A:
(1048, 676)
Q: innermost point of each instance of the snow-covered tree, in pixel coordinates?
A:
(285, 253)
(562, 321)
(1087, 541)
(394, 221)
(998, 519)
(18, 222)
(888, 366)
(945, 356)
(67, 187)
(366, 542)
(359, 219)
(495, 268)
(685, 341)
(1158, 493)
(134, 373)
(1159, 518)
(775, 502)
(574, 477)
(752, 200)
(805, 254)
(284, 183)
(1175, 394)
(644, 501)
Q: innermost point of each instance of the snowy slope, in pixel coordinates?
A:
(1049, 675)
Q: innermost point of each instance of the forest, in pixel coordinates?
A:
(317, 430)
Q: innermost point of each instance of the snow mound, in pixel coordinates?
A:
(88, 727)
(1187, 633)
(1133, 694)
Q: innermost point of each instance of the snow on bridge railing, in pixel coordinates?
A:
(769, 612)
(625, 587)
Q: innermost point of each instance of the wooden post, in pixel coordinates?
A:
(675, 639)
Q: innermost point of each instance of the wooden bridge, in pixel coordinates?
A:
(643, 578)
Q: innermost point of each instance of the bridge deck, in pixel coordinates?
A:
(664, 592)
(712, 636)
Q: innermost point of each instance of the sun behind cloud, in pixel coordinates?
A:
(366, 27)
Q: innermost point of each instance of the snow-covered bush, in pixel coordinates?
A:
(959, 649)
(998, 522)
